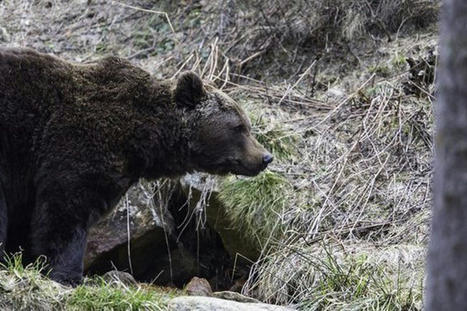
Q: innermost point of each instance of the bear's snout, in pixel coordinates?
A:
(254, 159)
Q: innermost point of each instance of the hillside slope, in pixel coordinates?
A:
(340, 91)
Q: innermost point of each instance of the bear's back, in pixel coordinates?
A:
(36, 87)
(30, 82)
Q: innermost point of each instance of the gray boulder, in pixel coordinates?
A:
(150, 229)
(200, 303)
(171, 241)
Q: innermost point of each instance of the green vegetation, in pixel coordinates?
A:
(399, 61)
(253, 204)
(342, 213)
(101, 296)
(25, 288)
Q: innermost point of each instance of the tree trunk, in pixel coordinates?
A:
(446, 287)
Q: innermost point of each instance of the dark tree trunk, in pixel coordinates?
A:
(447, 257)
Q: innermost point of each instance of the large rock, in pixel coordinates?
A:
(151, 230)
(166, 243)
(200, 303)
(136, 216)
(171, 241)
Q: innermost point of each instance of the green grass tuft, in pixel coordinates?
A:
(101, 296)
(26, 288)
(254, 204)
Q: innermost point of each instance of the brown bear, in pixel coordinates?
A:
(74, 137)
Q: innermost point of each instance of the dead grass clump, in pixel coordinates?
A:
(25, 288)
(362, 175)
(277, 138)
(343, 277)
(267, 34)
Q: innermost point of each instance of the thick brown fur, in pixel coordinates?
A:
(73, 138)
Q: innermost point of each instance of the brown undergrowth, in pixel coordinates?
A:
(340, 91)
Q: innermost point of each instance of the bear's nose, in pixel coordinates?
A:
(267, 158)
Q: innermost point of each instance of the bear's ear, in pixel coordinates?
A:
(189, 90)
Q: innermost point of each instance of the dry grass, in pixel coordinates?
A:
(343, 277)
(349, 230)
(163, 35)
(267, 34)
(324, 82)
(361, 177)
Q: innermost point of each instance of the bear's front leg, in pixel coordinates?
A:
(58, 231)
(64, 254)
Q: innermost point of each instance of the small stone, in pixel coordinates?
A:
(198, 287)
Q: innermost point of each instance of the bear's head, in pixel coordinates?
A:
(220, 139)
